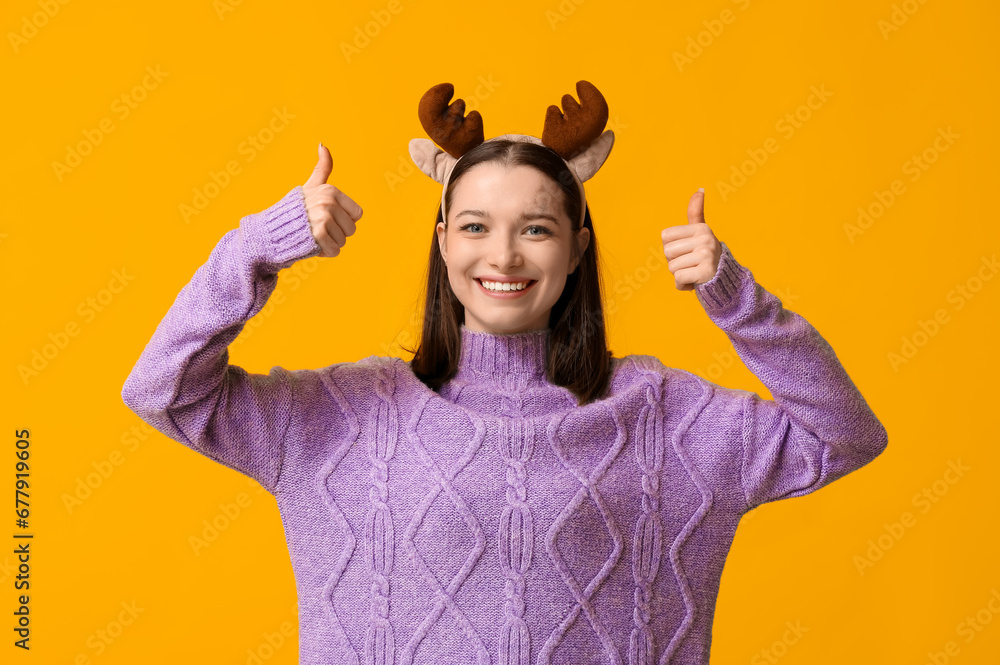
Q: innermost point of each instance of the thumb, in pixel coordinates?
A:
(323, 168)
(696, 207)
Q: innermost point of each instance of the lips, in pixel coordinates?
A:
(506, 280)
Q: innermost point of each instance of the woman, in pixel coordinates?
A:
(514, 494)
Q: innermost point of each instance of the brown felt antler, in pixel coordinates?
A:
(447, 123)
(576, 134)
(575, 128)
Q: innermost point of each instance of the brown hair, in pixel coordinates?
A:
(578, 357)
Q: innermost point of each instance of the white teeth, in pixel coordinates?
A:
(504, 286)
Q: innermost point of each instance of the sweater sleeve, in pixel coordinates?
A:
(182, 383)
(818, 427)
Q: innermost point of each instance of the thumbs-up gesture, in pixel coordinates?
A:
(332, 213)
(692, 250)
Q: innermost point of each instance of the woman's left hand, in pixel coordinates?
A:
(692, 250)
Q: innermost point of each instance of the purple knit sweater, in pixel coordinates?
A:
(496, 521)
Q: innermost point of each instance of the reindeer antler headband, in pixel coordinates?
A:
(576, 134)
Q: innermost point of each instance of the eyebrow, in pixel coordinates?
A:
(524, 215)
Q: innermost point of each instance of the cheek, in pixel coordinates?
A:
(458, 261)
(559, 263)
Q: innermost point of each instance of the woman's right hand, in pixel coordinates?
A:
(332, 213)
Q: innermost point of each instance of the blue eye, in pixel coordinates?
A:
(544, 231)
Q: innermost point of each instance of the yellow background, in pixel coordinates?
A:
(678, 128)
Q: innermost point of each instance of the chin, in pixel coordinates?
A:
(506, 326)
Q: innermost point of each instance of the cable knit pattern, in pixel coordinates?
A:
(495, 521)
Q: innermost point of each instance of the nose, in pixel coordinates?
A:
(504, 252)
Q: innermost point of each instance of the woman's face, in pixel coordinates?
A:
(508, 225)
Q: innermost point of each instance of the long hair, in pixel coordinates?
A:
(578, 357)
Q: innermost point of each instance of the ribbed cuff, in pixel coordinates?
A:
(724, 287)
(289, 237)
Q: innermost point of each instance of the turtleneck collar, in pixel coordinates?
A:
(503, 358)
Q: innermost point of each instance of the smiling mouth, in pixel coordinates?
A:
(527, 285)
